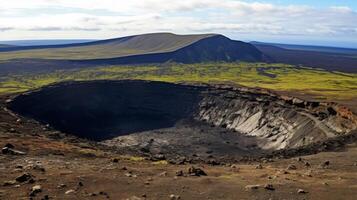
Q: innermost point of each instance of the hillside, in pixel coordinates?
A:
(325, 49)
(195, 48)
(118, 47)
(5, 46)
(311, 58)
(210, 49)
(43, 42)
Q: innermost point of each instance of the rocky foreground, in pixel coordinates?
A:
(37, 162)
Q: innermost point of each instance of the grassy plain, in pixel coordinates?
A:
(278, 77)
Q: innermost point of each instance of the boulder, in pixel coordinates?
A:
(193, 171)
(325, 164)
(291, 167)
(269, 187)
(69, 192)
(252, 187)
(8, 183)
(163, 173)
(174, 197)
(259, 166)
(213, 162)
(8, 145)
(35, 190)
(39, 168)
(62, 185)
(11, 151)
(158, 157)
(12, 130)
(301, 191)
(179, 173)
(24, 177)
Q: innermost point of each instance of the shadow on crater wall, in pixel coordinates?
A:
(102, 110)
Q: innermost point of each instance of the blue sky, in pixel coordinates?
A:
(315, 22)
(315, 3)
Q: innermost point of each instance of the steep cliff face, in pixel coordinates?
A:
(278, 123)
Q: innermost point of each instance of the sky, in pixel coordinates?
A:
(313, 22)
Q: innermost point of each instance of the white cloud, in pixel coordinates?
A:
(21, 19)
(343, 9)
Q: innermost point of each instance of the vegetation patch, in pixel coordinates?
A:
(278, 77)
(135, 158)
(161, 162)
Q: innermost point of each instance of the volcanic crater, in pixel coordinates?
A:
(147, 117)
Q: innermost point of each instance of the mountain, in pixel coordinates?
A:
(42, 42)
(332, 59)
(324, 49)
(147, 48)
(5, 45)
